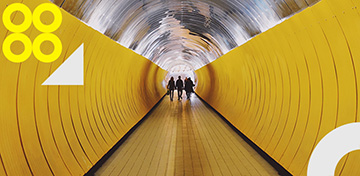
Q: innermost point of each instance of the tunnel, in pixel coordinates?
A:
(272, 79)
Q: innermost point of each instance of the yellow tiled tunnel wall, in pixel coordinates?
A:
(288, 87)
(65, 130)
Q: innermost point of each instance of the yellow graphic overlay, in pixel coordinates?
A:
(57, 47)
(27, 17)
(7, 47)
(30, 18)
(57, 17)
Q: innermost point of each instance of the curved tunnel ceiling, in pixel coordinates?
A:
(182, 35)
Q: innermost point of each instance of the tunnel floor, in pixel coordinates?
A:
(185, 138)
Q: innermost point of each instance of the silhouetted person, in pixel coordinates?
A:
(179, 86)
(185, 80)
(171, 87)
(189, 87)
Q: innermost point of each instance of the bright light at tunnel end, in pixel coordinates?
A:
(183, 75)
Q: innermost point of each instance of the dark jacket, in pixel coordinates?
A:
(171, 85)
(179, 84)
(189, 86)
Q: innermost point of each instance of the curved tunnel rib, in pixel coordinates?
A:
(65, 130)
(293, 84)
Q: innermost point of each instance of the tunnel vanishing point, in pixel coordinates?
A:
(283, 72)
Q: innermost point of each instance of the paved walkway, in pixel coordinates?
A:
(185, 138)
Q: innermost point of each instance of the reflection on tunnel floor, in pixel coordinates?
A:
(185, 138)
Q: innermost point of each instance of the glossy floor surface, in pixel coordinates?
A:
(185, 138)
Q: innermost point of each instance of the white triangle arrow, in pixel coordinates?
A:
(71, 72)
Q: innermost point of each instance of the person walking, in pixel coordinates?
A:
(179, 86)
(171, 87)
(189, 87)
